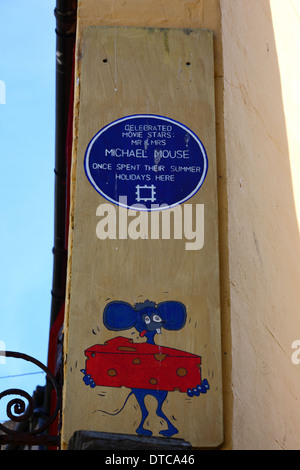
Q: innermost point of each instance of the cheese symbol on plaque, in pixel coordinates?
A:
(145, 368)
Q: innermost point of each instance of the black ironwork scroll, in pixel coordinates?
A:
(21, 409)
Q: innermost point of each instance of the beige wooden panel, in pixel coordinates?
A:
(167, 72)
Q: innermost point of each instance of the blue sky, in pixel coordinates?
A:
(27, 142)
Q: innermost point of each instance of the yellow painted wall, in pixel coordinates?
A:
(257, 121)
(261, 116)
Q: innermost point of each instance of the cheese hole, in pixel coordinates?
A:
(136, 361)
(181, 372)
(126, 348)
(160, 356)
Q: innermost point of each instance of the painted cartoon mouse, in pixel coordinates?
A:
(148, 319)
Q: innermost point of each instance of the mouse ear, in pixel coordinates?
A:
(119, 316)
(173, 314)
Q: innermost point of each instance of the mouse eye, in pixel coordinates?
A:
(156, 318)
(147, 320)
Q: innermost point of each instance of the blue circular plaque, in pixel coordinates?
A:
(146, 161)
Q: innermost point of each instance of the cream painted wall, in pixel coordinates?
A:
(261, 115)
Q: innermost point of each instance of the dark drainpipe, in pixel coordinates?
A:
(65, 14)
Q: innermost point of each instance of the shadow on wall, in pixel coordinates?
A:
(263, 232)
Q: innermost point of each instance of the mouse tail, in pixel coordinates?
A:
(119, 411)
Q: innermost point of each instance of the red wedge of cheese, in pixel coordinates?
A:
(121, 362)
